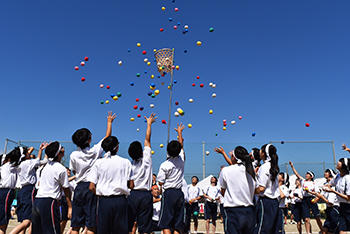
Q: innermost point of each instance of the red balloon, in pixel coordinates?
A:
(176, 9)
(135, 107)
(193, 84)
(83, 79)
(137, 99)
(175, 27)
(163, 121)
(76, 68)
(144, 52)
(86, 58)
(138, 116)
(201, 85)
(197, 77)
(307, 125)
(162, 29)
(108, 87)
(176, 103)
(82, 64)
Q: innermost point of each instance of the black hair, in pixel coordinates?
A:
(195, 177)
(242, 154)
(330, 172)
(13, 157)
(345, 168)
(216, 180)
(51, 150)
(173, 148)
(110, 144)
(154, 175)
(135, 150)
(274, 169)
(256, 156)
(81, 138)
(285, 180)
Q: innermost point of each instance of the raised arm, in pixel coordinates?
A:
(30, 150)
(150, 121)
(41, 149)
(295, 171)
(179, 130)
(110, 119)
(345, 148)
(221, 151)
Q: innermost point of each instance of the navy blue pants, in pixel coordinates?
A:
(223, 215)
(63, 209)
(46, 216)
(172, 210)
(344, 220)
(112, 215)
(240, 220)
(332, 219)
(297, 211)
(307, 206)
(191, 211)
(140, 209)
(268, 216)
(84, 206)
(25, 201)
(6, 199)
(210, 210)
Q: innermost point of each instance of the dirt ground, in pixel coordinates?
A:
(290, 228)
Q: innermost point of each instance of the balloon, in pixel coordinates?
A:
(163, 121)
(76, 68)
(207, 152)
(151, 105)
(213, 95)
(132, 119)
(115, 98)
(120, 63)
(101, 86)
(138, 44)
(211, 29)
(86, 58)
(307, 125)
(83, 79)
(119, 94)
(135, 107)
(82, 64)
(199, 43)
(189, 125)
(161, 145)
(233, 122)
(210, 111)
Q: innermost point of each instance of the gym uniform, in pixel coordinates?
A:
(282, 205)
(155, 218)
(46, 210)
(111, 175)
(296, 202)
(8, 174)
(268, 210)
(342, 185)
(27, 180)
(192, 192)
(307, 197)
(238, 203)
(84, 201)
(211, 207)
(332, 212)
(141, 199)
(171, 173)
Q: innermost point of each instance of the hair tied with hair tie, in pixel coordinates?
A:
(346, 162)
(267, 149)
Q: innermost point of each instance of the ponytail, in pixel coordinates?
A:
(345, 165)
(271, 155)
(243, 157)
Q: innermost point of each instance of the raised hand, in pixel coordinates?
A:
(219, 150)
(151, 119)
(111, 116)
(180, 128)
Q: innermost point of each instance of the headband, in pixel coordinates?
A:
(332, 172)
(311, 173)
(285, 177)
(346, 161)
(21, 149)
(3, 159)
(232, 153)
(267, 148)
(56, 154)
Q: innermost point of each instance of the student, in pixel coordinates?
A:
(342, 189)
(154, 179)
(27, 180)
(268, 192)
(170, 176)
(283, 182)
(156, 208)
(296, 202)
(255, 154)
(308, 184)
(238, 186)
(8, 176)
(110, 180)
(194, 194)
(140, 206)
(54, 179)
(81, 161)
(211, 193)
(331, 224)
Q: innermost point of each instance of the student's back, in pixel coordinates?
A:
(142, 170)
(172, 170)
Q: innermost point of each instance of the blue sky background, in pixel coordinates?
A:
(279, 64)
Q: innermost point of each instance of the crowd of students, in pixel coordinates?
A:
(113, 195)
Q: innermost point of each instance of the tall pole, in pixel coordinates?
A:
(203, 147)
(170, 99)
(333, 148)
(5, 149)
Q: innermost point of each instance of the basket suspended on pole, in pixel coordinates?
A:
(165, 60)
(165, 63)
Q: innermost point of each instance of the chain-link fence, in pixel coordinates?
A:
(202, 161)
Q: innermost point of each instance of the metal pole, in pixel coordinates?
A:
(203, 147)
(324, 165)
(170, 99)
(5, 149)
(335, 161)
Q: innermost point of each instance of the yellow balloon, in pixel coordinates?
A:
(199, 43)
(152, 152)
(210, 111)
(177, 67)
(152, 76)
(161, 145)
(138, 44)
(156, 92)
(115, 98)
(154, 50)
(189, 125)
(107, 101)
(163, 8)
(152, 88)
(224, 128)
(149, 64)
(132, 119)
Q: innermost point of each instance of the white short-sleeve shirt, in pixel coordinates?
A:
(264, 180)
(111, 175)
(212, 192)
(342, 185)
(297, 195)
(331, 197)
(53, 178)
(8, 176)
(27, 171)
(171, 172)
(142, 171)
(156, 211)
(82, 160)
(285, 191)
(239, 186)
(309, 185)
(193, 192)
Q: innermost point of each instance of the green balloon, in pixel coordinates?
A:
(195, 213)
(119, 94)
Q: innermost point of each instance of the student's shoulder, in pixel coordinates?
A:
(58, 167)
(122, 160)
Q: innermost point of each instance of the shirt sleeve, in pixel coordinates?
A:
(97, 149)
(347, 185)
(93, 174)
(182, 154)
(129, 171)
(222, 180)
(71, 163)
(263, 177)
(147, 155)
(63, 178)
(161, 174)
(34, 163)
(200, 192)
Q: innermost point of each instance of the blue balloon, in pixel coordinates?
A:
(178, 23)
(170, 19)
(185, 51)
(153, 85)
(129, 50)
(175, 81)
(149, 93)
(112, 95)
(253, 134)
(131, 84)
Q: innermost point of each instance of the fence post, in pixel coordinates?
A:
(286, 165)
(5, 148)
(203, 147)
(333, 148)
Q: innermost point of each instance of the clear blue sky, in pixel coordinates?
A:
(279, 64)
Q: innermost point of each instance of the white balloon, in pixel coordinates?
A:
(120, 62)
(233, 122)
(145, 60)
(207, 153)
(138, 129)
(151, 105)
(176, 114)
(190, 100)
(213, 86)
(213, 95)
